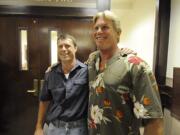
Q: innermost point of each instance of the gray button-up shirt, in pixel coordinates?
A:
(69, 97)
(121, 95)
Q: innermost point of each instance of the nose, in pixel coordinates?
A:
(99, 29)
(63, 47)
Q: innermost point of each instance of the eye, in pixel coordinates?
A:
(104, 28)
(96, 28)
(67, 46)
(60, 46)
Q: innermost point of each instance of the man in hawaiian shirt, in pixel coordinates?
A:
(123, 89)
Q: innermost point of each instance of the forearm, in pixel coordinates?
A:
(41, 113)
(154, 127)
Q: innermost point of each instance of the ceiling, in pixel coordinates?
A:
(117, 4)
(56, 3)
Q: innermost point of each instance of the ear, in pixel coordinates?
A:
(119, 33)
(76, 48)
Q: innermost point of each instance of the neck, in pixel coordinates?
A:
(105, 56)
(68, 66)
(108, 54)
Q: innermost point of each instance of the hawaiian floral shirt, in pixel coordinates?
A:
(121, 95)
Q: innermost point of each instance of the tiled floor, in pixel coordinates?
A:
(171, 125)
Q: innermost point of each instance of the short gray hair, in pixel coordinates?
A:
(110, 16)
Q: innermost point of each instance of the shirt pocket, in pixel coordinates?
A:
(58, 94)
(79, 85)
(80, 81)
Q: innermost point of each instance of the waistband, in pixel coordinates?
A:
(71, 124)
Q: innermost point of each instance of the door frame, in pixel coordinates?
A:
(55, 11)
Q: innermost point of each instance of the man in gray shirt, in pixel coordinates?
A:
(64, 96)
(122, 88)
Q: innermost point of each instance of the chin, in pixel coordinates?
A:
(65, 59)
(102, 47)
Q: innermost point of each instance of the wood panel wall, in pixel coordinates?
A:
(175, 110)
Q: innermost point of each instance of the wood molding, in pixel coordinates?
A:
(161, 40)
(54, 11)
(47, 11)
(175, 110)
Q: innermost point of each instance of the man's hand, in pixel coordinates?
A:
(126, 51)
(39, 131)
(50, 67)
(43, 105)
(154, 127)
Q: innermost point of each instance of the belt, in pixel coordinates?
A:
(71, 124)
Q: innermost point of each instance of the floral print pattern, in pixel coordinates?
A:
(140, 111)
(118, 105)
(135, 60)
(97, 116)
(119, 115)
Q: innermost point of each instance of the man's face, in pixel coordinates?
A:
(66, 50)
(104, 34)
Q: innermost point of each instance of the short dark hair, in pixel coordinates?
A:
(67, 36)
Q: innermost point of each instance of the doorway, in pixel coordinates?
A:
(18, 107)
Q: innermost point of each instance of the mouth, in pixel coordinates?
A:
(100, 38)
(65, 55)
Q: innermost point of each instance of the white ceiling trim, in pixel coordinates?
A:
(53, 3)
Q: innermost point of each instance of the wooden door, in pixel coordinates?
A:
(18, 111)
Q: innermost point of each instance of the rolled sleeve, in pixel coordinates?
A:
(45, 95)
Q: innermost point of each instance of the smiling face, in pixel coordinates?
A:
(66, 50)
(105, 35)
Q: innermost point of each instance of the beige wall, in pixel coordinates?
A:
(174, 39)
(138, 23)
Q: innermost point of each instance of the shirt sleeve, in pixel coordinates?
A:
(146, 98)
(45, 94)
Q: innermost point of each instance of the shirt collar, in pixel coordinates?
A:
(78, 64)
(116, 56)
